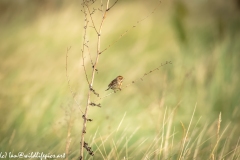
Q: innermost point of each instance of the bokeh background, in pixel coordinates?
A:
(148, 119)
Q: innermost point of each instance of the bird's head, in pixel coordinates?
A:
(120, 78)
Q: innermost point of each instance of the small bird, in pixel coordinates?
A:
(116, 84)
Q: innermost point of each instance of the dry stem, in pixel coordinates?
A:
(86, 11)
(85, 119)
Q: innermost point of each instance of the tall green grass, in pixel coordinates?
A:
(173, 114)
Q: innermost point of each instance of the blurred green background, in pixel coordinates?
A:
(145, 120)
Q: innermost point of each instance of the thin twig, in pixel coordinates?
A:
(68, 80)
(137, 23)
(90, 55)
(91, 18)
(102, 7)
(140, 79)
(84, 115)
(83, 46)
(112, 5)
(107, 4)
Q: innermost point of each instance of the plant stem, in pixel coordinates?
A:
(90, 86)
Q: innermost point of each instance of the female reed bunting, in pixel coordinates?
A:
(116, 84)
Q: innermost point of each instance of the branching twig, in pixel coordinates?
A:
(86, 11)
(90, 14)
(112, 5)
(114, 42)
(85, 119)
(94, 92)
(145, 74)
(69, 80)
(141, 79)
(89, 55)
(83, 46)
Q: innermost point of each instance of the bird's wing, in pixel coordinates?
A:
(112, 83)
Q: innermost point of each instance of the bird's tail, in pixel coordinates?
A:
(107, 89)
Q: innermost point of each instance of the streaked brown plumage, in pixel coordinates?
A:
(116, 84)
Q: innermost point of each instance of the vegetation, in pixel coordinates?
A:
(186, 110)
